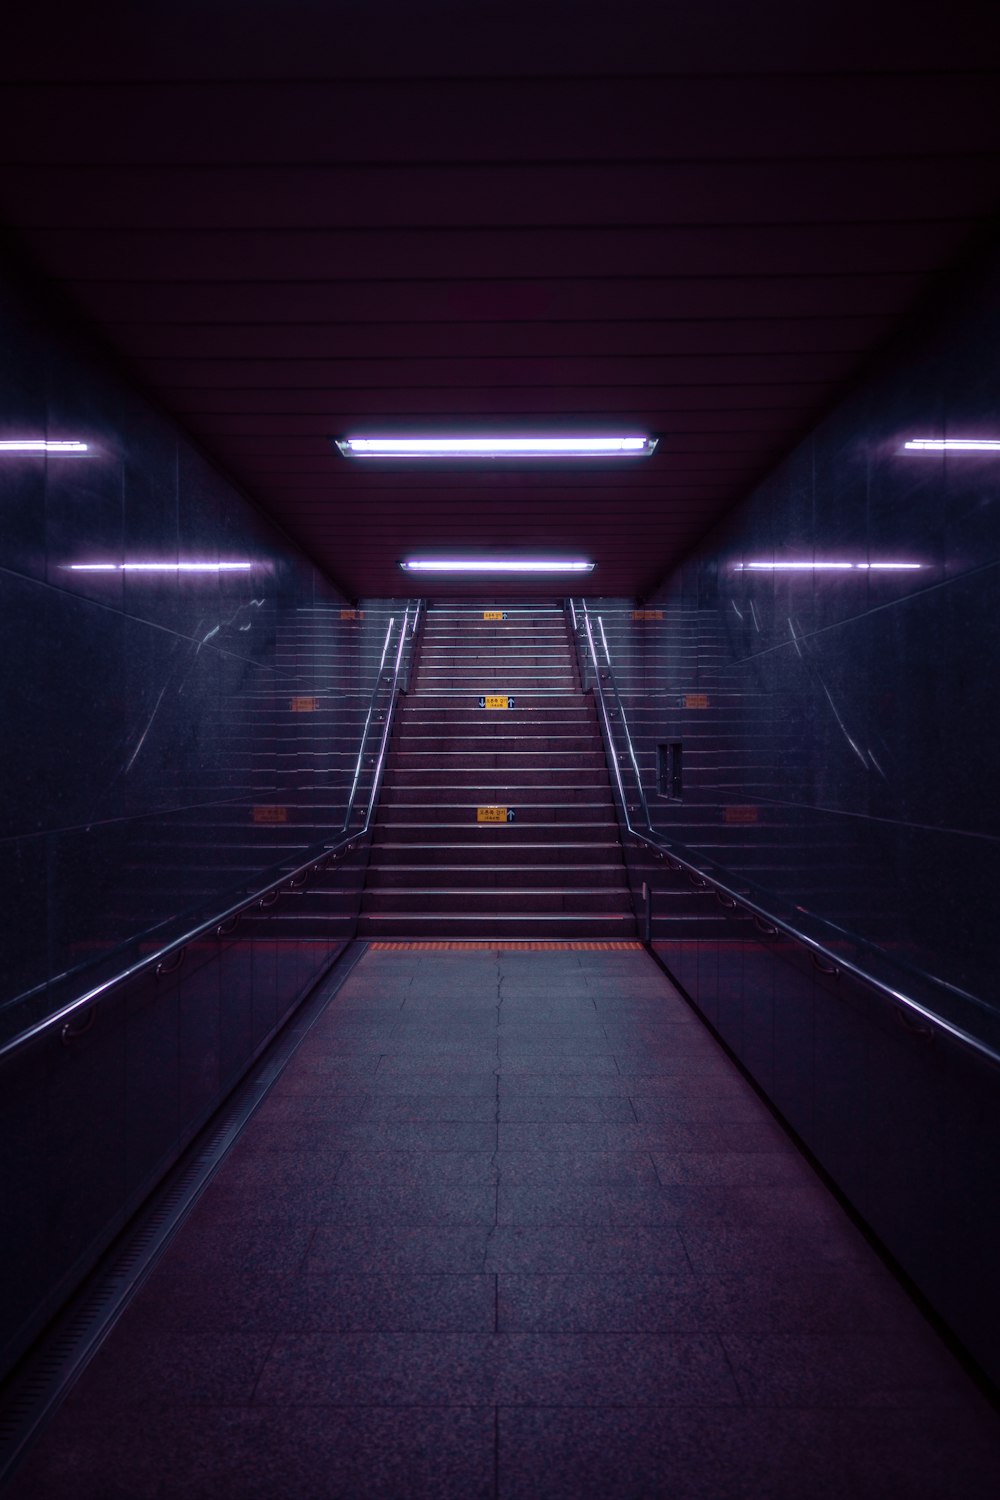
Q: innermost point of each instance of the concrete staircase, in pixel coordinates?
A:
(552, 868)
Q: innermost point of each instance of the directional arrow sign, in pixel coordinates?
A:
(496, 700)
(494, 815)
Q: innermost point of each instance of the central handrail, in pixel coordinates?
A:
(386, 722)
(318, 860)
(738, 899)
(368, 717)
(622, 717)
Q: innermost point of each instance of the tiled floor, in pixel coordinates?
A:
(513, 1225)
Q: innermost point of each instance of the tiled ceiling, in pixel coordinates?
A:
(323, 219)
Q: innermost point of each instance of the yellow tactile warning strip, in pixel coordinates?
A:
(501, 943)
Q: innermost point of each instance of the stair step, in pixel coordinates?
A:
(491, 680)
(559, 781)
(494, 899)
(563, 874)
(425, 853)
(461, 816)
(407, 793)
(445, 748)
(535, 719)
(451, 763)
(504, 925)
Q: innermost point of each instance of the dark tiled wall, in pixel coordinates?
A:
(838, 730)
(839, 725)
(167, 739)
(146, 714)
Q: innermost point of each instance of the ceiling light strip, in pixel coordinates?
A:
(495, 565)
(496, 447)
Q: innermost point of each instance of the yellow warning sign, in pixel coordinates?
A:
(494, 614)
(305, 705)
(741, 814)
(496, 700)
(495, 815)
(696, 700)
(647, 614)
(270, 814)
(352, 614)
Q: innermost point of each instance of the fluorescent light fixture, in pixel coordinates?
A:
(953, 445)
(40, 445)
(495, 447)
(160, 567)
(494, 565)
(816, 567)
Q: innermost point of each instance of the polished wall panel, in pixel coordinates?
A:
(174, 727)
(173, 738)
(93, 1114)
(828, 662)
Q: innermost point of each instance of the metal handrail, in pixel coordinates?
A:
(359, 763)
(824, 957)
(608, 734)
(414, 628)
(386, 725)
(321, 857)
(317, 861)
(619, 705)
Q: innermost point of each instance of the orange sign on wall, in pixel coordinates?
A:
(696, 700)
(647, 614)
(270, 814)
(305, 705)
(740, 814)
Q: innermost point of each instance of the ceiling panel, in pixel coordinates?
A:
(294, 221)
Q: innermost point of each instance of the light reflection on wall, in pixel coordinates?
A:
(160, 567)
(953, 445)
(818, 567)
(41, 445)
